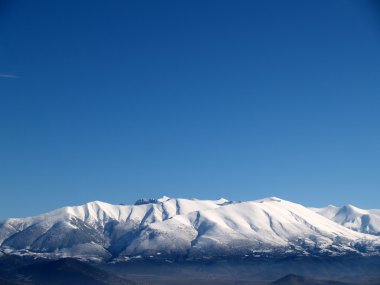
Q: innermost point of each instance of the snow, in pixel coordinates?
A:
(273, 222)
(365, 221)
(193, 228)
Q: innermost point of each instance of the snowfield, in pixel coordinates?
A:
(365, 221)
(193, 229)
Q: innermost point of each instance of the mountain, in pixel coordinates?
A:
(190, 229)
(95, 230)
(292, 279)
(364, 221)
(62, 272)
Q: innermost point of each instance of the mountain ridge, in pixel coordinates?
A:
(167, 228)
(365, 221)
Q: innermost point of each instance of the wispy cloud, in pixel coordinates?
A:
(10, 76)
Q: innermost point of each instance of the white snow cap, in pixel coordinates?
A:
(194, 227)
(163, 199)
(365, 221)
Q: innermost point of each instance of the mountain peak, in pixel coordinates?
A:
(365, 221)
(350, 210)
(163, 199)
(271, 199)
(193, 228)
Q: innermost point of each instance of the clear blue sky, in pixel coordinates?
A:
(117, 100)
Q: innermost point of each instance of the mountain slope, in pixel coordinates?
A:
(186, 228)
(247, 228)
(364, 221)
(66, 271)
(90, 229)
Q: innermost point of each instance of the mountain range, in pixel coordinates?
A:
(364, 221)
(190, 229)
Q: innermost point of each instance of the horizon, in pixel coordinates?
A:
(123, 100)
(133, 203)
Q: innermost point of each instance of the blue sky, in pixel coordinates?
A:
(117, 100)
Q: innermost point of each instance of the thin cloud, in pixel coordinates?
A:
(10, 76)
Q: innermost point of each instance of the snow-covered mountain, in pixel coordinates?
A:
(183, 228)
(364, 221)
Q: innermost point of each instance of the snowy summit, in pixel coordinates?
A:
(193, 229)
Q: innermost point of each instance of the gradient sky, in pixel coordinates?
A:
(117, 100)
